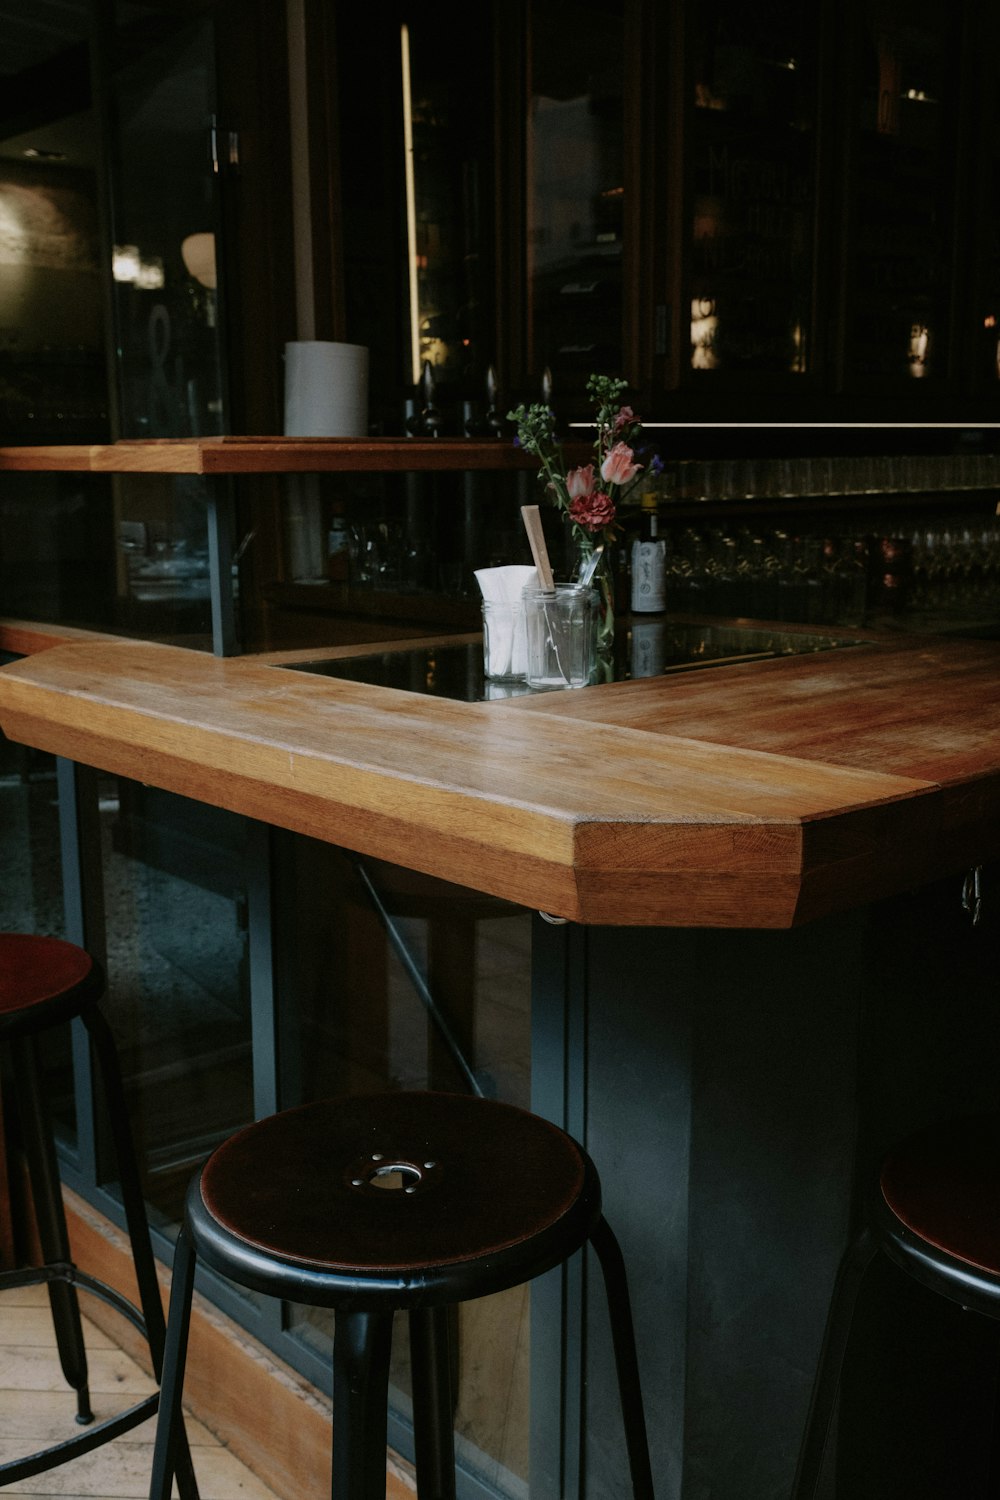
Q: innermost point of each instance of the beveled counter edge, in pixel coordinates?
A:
(572, 865)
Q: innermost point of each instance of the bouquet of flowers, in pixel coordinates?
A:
(588, 495)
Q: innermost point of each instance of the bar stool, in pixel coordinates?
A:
(936, 1214)
(46, 982)
(370, 1203)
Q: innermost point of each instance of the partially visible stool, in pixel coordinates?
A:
(45, 982)
(936, 1214)
(366, 1204)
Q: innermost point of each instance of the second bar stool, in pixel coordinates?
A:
(46, 982)
(366, 1204)
(935, 1214)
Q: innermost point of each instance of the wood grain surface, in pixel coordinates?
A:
(752, 796)
(274, 455)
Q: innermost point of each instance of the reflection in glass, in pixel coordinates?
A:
(445, 110)
(51, 355)
(177, 978)
(754, 134)
(57, 548)
(125, 553)
(902, 193)
(162, 582)
(576, 189)
(31, 897)
(170, 358)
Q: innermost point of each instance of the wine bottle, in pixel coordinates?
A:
(649, 563)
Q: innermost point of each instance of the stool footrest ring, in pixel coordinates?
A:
(102, 1432)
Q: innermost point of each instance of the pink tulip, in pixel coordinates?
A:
(625, 418)
(580, 482)
(618, 467)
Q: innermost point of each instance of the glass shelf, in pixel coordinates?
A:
(649, 646)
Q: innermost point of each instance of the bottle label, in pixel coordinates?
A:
(649, 576)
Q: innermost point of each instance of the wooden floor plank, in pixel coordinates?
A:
(48, 1416)
(121, 1469)
(37, 1409)
(38, 1370)
(24, 1327)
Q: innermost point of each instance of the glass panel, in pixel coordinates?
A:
(177, 978)
(165, 224)
(356, 1018)
(31, 898)
(753, 149)
(902, 187)
(31, 890)
(449, 115)
(576, 193)
(416, 228)
(368, 557)
(987, 239)
(124, 553)
(163, 580)
(52, 372)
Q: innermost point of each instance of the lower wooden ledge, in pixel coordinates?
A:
(272, 1419)
(25, 637)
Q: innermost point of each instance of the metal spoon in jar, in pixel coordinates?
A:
(591, 566)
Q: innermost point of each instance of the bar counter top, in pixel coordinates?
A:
(761, 794)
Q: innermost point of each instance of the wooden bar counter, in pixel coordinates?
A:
(762, 983)
(756, 795)
(766, 975)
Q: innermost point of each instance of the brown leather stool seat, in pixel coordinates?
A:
(366, 1204)
(46, 982)
(936, 1214)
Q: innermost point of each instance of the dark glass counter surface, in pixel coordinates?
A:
(645, 648)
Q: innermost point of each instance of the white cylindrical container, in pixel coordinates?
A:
(326, 389)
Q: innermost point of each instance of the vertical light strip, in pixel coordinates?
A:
(411, 203)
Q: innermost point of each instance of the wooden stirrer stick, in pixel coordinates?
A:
(533, 526)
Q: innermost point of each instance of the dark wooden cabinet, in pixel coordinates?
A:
(801, 226)
(788, 215)
(826, 251)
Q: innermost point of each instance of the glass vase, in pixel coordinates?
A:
(604, 582)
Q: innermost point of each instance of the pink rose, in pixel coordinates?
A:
(618, 467)
(593, 512)
(580, 482)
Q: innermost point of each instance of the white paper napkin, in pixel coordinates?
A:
(508, 646)
(505, 583)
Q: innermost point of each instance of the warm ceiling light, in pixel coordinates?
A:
(198, 254)
(150, 275)
(35, 153)
(125, 262)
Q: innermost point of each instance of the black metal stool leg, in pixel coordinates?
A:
(138, 1225)
(362, 1342)
(50, 1218)
(131, 1188)
(850, 1274)
(171, 1441)
(433, 1415)
(626, 1361)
